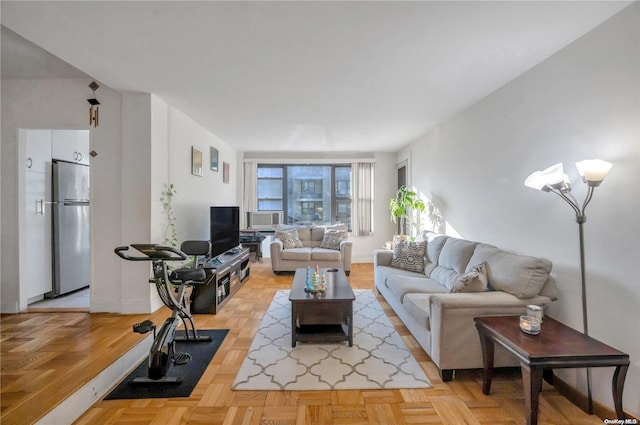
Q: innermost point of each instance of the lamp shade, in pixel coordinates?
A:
(593, 171)
(552, 177)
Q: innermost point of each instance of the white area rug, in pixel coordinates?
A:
(379, 358)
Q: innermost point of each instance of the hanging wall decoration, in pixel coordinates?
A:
(93, 101)
(213, 158)
(225, 172)
(196, 161)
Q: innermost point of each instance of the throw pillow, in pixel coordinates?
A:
(409, 256)
(475, 280)
(332, 239)
(289, 238)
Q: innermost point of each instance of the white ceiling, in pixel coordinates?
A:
(304, 76)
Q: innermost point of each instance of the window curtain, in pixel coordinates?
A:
(250, 196)
(362, 200)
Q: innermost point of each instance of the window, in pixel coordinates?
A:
(308, 194)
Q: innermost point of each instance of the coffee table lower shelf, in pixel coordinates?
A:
(321, 333)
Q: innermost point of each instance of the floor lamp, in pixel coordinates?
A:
(553, 179)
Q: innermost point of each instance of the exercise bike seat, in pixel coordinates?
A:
(187, 275)
(194, 275)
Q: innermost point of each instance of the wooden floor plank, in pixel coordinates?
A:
(47, 356)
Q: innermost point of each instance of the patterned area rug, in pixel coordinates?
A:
(379, 358)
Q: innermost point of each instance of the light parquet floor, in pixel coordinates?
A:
(47, 356)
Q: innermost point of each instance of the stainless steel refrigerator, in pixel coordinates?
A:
(71, 228)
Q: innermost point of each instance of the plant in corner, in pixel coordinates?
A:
(403, 205)
(170, 236)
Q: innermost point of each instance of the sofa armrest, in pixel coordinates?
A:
(346, 247)
(275, 249)
(276, 246)
(382, 257)
(454, 338)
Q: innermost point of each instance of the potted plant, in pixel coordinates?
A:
(170, 236)
(403, 205)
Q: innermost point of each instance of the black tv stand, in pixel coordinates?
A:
(226, 274)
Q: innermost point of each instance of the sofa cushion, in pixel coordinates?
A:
(289, 238)
(382, 274)
(332, 238)
(435, 242)
(301, 254)
(304, 232)
(317, 232)
(455, 254)
(322, 254)
(519, 275)
(452, 262)
(409, 256)
(475, 280)
(400, 285)
(417, 305)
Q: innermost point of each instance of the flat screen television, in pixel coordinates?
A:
(225, 229)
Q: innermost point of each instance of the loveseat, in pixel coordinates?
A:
(301, 246)
(438, 285)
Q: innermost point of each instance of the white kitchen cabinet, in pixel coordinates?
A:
(71, 146)
(37, 149)
(36, 267)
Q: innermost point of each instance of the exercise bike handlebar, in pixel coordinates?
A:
(152, 252)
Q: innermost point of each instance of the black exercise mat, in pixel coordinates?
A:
(201, 355)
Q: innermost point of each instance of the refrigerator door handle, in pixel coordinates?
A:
(75, 202)
(40, 203)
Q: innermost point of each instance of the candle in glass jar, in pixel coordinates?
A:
(535, 311)
(530, 325)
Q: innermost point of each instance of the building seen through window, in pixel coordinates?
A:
(308, 194)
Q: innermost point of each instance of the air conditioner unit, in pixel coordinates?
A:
(264, 220)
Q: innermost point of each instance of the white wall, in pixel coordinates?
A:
(195, 194)
(581, 103)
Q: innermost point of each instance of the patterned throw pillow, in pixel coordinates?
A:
(289, 238)
(475, 280)
(409, 256)
(332, 239)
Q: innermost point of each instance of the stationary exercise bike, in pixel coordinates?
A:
(162, 353)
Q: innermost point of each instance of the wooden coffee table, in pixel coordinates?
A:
(557, 346)
(322, 317)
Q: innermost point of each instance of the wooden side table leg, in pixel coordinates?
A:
(532, 382)
(618, 385)
(350, 315)
(294, 316)
(487, 362)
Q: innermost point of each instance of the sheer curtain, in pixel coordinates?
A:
(362, 198)
(250, 196)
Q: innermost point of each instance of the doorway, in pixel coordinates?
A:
(54, 217)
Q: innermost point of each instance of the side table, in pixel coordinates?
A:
(557, 346)
(253, 240)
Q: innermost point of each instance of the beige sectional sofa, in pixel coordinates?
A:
(313, 249)
(442, 320)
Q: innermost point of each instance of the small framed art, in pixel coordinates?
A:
(196, 161)
(213, 158)
(225, 172)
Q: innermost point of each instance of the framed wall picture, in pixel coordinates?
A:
(196, 161)
(213, 158)
(225, 172)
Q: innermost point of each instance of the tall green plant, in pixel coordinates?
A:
(170, 236)
(403, 204)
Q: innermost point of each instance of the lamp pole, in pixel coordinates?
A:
(565, 193)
